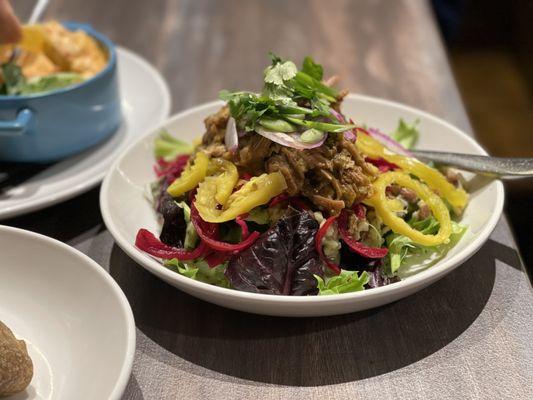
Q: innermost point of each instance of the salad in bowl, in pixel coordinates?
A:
(286, 195)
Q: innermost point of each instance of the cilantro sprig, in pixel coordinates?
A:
(290, 99)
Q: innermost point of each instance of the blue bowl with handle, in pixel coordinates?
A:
(49, 126)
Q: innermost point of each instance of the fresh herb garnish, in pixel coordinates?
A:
(290, 101)
(312, 69)
(280, 73)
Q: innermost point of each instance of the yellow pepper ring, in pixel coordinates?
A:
(259, 190)
(381, 204)
(458, 198)
(226, 179)
(191, 176)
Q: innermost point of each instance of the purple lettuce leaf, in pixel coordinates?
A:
(377, 278)
(282, 261)
(174, 225)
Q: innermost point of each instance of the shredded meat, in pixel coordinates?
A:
(407, 194)
(215, 126)
(332, 176)
(453, 176)
(423, 211)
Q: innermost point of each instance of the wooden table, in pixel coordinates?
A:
(469, 336)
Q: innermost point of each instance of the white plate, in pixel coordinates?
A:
(77, 323)
(125, 210)
(145, 104)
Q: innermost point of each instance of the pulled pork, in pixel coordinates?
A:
(332, 176)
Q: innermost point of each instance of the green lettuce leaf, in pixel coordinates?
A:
(259, 215)
(404, 253)
(405, 134)
(345, 282)
(200, 271)
(191, 237)
(168, 147)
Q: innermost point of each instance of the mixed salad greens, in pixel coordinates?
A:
(286, 195)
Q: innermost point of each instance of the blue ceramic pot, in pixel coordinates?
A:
(47, 127)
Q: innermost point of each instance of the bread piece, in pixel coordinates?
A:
(16, 368)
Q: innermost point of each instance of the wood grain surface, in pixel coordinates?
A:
(468, 336)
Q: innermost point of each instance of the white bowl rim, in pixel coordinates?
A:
(427, 275)
(127, 364)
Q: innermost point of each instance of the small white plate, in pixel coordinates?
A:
(74, 318)
(125, 210)
(145, 104)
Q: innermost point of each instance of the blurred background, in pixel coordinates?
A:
(490, 46)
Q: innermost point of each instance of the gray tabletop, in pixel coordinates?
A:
(468, 336)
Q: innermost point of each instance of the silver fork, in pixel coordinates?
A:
(485, 165)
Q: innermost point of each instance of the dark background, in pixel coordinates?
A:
(490, 45)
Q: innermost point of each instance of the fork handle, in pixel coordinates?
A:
(492, 166)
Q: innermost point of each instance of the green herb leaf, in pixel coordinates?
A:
(281, 72)
(287, 92)
(322, 126)
(305, 82)
(275, 58)
(312, 69)
(345, 282)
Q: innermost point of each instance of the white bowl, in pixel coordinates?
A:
(125, 210)
(77, 323)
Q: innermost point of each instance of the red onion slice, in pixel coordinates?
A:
(288, 140)
(348, 135)
(231, 139)
(389, 142)
(338, 115)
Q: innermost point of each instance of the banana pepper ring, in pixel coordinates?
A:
(458, 198)
(257, 191)
(191, 176)
(226, 180)
(382, 204)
